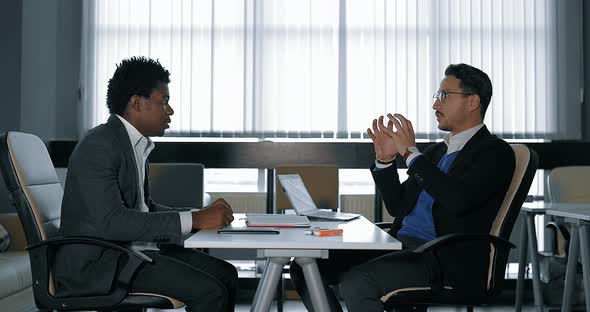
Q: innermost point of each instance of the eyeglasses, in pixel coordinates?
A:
(442, 95)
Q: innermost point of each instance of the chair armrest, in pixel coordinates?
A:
(12, 223)
(42, 276)
(383, 225)
(462, 237)
(91, 241)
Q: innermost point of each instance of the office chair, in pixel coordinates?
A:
(178, 184)
(36, 193)
(569, 185)
(420, 298)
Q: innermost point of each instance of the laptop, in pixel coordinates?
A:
(302, 202)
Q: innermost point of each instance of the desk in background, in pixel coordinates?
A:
(358, 234)
(579, 218)
(528, 238)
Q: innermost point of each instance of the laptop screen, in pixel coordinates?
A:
(297, 193)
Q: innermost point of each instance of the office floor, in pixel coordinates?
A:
(297, 306)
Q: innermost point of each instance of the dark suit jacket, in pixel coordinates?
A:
(466, 200)
(101, 199)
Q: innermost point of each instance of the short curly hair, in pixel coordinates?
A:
(473, 80)
(137, 75)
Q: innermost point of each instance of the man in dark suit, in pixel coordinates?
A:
(107, 195)
(456, 186)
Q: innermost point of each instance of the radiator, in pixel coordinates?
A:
(362, 204)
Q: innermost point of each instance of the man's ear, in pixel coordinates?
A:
(135, 103)
(474, 104)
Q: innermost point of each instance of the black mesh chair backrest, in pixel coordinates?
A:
(32, 184)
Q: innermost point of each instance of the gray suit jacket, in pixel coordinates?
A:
(101, 199)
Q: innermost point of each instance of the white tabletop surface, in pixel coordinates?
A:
(359, 233)
(578, 211)
(542, 207)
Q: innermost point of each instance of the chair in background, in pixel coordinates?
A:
(320, 181)
(419, 300)
(178, 184)
(569, 185)
(36, 193)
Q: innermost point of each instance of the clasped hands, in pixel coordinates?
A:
(387, 141)
(215, 216)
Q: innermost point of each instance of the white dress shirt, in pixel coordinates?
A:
(454, 143)
(142, 147)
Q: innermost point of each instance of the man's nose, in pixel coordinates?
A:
(436, 104)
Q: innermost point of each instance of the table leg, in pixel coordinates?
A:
(314, 283)
(534, 256)
(570, 273)
(585, 253)
(267, 286)
(522, 250)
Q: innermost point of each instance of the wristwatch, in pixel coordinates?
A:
(409, 151)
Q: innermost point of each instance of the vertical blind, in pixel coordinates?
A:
(303, 68)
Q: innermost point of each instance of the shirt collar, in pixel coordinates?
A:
(136, 137)
(457, 142)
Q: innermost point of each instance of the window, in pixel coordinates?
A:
(325, 69)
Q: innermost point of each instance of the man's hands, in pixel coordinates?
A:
(385, 149)
(215, 216)
(404, 137)
(387, 142)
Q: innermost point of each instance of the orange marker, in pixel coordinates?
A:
(328, 232)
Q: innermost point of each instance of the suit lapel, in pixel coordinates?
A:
(146, 184)
(130, 180)
(465, 155)
(439, 153)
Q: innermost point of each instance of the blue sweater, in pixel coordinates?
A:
(419, 222)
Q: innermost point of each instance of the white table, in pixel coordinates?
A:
(358, 234)
(579, 217)
(529, 237)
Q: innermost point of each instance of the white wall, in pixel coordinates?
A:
(50, 63)
(10, 32)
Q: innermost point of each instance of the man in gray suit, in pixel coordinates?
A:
(107, 195)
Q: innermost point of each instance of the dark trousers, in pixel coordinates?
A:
(365, 276)
(202, 282)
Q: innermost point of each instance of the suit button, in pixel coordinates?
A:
(418, 178)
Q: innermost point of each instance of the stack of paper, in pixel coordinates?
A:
(276, 220)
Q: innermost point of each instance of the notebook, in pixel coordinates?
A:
(302, 202)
